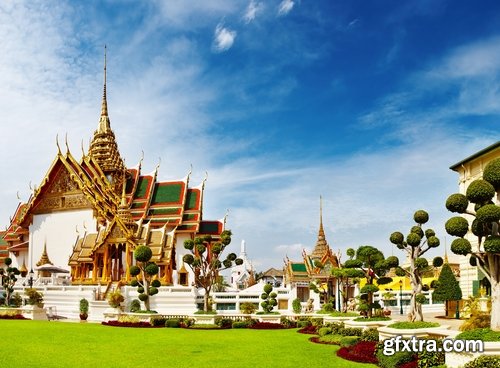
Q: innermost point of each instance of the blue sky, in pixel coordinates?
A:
(366, 103)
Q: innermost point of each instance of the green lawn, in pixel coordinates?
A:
(59, 344)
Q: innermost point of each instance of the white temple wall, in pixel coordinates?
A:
(180, 251)
(58, 231)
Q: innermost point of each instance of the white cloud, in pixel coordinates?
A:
(223, 38)
(251, 12)
(285, 7)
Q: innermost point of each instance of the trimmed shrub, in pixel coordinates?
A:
(492, 244)
(370, 334)
(240, 324)
(457, 203)
(351, 331)
(457, 226)
(461, 246)
(324, 331)
(397, 238)
(480, 191)
(135, 305)
(296, 306)
(491, 173)
(349, 340)
(302, 324)
(288, 323)
(488, 213)
(173, 323)
(431, 358)
(421, 217)
(483, 334)
(223, 322)
(413, 239)
(417, 230)
(395, 360)
(484, 361)
(158, 321)
(248, 308)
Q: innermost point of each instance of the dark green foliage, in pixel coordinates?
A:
(417, 230)
(433, 242)
(135, 306)
(420, 298)
(353, 263)
(189, 244)
(84, 306)
(478, 228)
(34, 297)
(350, 331)
(457, 226)
(457, 203)
(370, 334)
(156, 283)
(134, 271)
(268, 299)
(143, 253)
(152, 269)
(350, 252)
(428, 359)
(302, 324)
(488, 213)
(158, 321)
(173, 323)
(400, 272)
(8, 279)
(461, 246)
(429, 233)
(324, 331)
(223, 322)
(143, 297)
(480, 191)
(395, 360)
(384, 280)
(421, 263)
(413, 239)
(349, 340)
(188, 259)
(296, 306)
(491, 173)
(153, 291)
(492, 244)
(392, 261)
(448, 288)
(421, 217)
(473, 261)
(369, 288)
(437, 262)
(484, 361)
(397, 238)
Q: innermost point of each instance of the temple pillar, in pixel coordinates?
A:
(105, 264)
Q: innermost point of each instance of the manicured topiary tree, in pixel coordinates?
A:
(9, 278)
(374, 266)
(146, 284)
(205, 261)
(268, 299)
(481, 203)
(345, 278)
(416, 244)
(447, 288)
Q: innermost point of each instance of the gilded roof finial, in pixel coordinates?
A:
(123, 204)
(445, 251)
(44, 259)
(104, 125)
(321, 231)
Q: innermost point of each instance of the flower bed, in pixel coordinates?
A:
(317, 340)
(115, 323)
(12, 316)
(309, 330)
(266, 326)
(362, 352)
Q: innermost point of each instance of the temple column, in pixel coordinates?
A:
(128, 259)
(105, 264)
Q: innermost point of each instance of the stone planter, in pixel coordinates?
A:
(453, 359)
(330, 319)
(389, 332)
(111, 314)
(269, 318)
(34, 312)
(204, 319)
(367, 324)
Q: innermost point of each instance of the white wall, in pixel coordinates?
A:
(58, 231)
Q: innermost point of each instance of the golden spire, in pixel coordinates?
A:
(44, 259)
(445, 251)
(321, 246)
(104, 124)
(103, 147)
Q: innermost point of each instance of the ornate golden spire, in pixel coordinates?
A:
(103, 147)
(44, 259)
(321, 246)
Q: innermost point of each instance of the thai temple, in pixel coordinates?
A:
(315, 267)
(87, 215)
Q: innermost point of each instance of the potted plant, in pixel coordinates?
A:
(115, 299)
(84, 309)
(34, 298)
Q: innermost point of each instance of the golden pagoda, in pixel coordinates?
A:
(103, 211)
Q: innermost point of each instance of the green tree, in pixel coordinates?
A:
(268, 299)
(484, 194)
(416, 244)
(346, 277)
(448, 288)
(205, 261)
(9, 278)
(372, 262)
(144, 273)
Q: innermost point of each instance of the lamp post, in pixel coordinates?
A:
(400, 296)
(30, 279)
